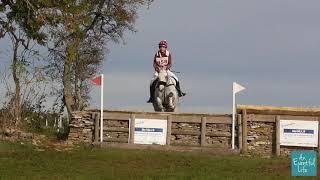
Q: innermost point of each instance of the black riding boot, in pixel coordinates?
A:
(180, 93)
(152, 89)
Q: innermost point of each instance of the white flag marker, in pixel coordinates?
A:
(235, 89)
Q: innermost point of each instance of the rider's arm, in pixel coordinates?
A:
(155, 65)
(169, 61)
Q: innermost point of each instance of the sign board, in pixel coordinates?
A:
(303, 163)
(299, 133)
(150, 131)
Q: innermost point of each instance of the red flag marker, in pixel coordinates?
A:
(97, 81)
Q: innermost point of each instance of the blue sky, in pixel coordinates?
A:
(270, 47)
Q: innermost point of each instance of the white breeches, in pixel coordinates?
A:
(155, 76)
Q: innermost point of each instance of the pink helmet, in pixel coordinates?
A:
(163, 43)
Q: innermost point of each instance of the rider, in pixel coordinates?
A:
(163, 59)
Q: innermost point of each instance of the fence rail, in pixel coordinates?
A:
(201, 120)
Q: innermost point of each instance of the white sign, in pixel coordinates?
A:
(150, 131)
(299, 133)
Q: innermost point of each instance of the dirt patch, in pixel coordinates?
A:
(41, 142)
(197, 149)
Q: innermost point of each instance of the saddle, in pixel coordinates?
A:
(156, 82)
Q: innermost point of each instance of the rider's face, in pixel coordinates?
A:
(162, 48)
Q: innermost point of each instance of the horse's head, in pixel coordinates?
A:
(162, 75)
(162, 78)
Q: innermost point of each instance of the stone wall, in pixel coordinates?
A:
(262, 130)
(222, 141)
(261, 136)
(262, 140)
(192, 140)
(186, 129)
(117, 136)
(117, 131)
(81, 128)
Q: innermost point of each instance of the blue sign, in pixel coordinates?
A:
(148, 129)
(300, 131)
(303, 163)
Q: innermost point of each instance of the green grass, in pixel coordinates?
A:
(22, 161)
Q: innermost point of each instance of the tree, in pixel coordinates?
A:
(20, 21)
(71, 29)
(27, 76)
(81, 20)
(89, 59)
(87, 64)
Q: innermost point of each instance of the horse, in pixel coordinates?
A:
(166, 95)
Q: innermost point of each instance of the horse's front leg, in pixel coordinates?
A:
(171, 104)
(159, 104)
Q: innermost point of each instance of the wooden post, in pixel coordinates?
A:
(203, 131)
(169, 121)
(244, 131)
(96, 128)
(132, 127)
(277, 135)
(239, 131)
(318, 135)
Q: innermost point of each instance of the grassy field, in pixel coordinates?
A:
(22, 161)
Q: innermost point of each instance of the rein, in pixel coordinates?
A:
(167, 85)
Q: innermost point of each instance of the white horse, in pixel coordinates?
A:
(166, 95)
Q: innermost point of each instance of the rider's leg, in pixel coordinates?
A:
(152, 87)
(180, 93)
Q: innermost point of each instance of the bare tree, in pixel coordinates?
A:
(20, 22)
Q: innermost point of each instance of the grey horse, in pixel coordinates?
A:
(166, 94)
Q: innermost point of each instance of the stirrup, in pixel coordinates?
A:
(181, 94)
(150, 100)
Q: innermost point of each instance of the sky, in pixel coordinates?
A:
(270, 47)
